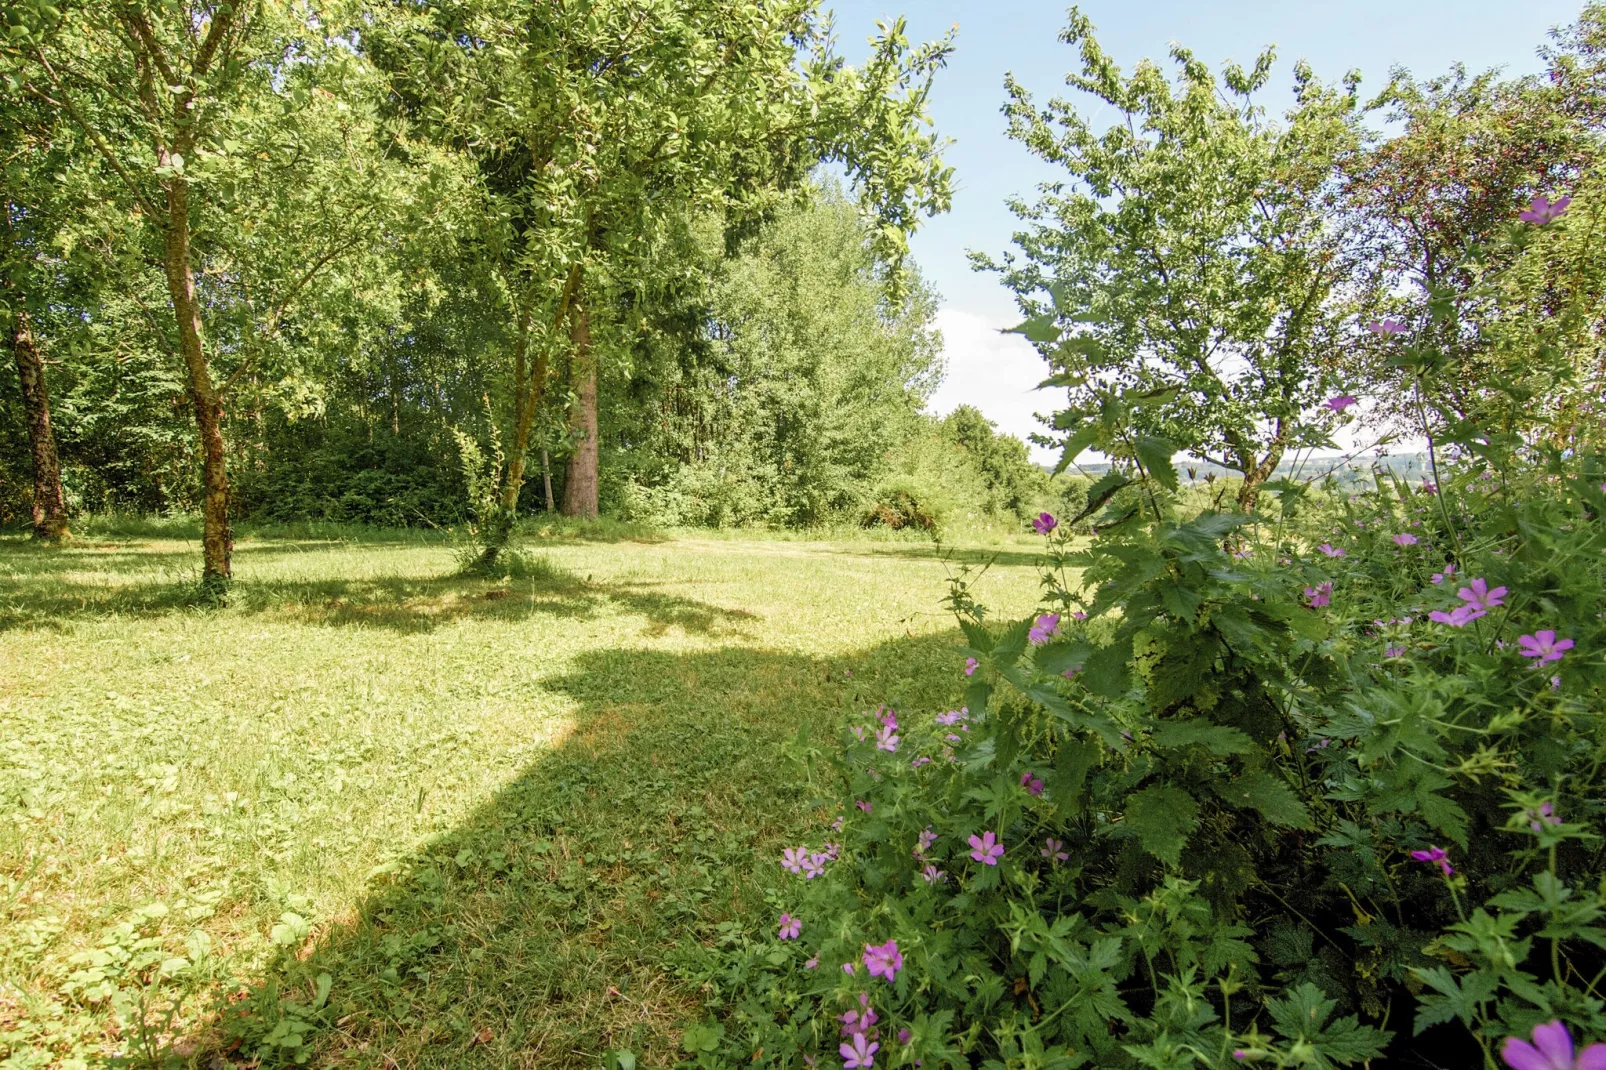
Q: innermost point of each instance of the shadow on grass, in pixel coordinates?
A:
(52, 588)
(573, 912)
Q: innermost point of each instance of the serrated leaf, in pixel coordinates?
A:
(1163, 817)
(1268, 795)
(1155, 455)
(1216, 738)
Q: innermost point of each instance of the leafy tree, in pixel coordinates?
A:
(238, 133)
(1188, 263)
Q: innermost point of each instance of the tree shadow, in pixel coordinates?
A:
(962, 555)
(52, 589)
(574, 912)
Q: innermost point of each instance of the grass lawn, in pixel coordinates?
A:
(371, 813)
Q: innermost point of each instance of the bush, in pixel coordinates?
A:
(1216, 809)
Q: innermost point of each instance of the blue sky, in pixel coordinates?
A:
(997, 374)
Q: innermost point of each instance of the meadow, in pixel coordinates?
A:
(374, 813)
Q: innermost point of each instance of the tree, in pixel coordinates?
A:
(1188, 264)
(26, 179)
(599, 129)
(242, 167)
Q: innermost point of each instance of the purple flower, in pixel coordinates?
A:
(847, 968)
(1332, 551)
(1245, 552)
(1458, 617)
(927, 838)
(1053, 850)
(1437, 856)
(860, 1055)
(793, 858)
(888, 718)
(1429, 487)
(1045, 626)
(1542, 210)
(933, 875)
(1339, 403)
(1405, 538)
(1077, 614)
(1480, 598)
(814, 866)
(862, 804)
(831, 850)
(1544, 645)
(1440, 577)
(971, 665)
(951, 738)
(986, 849)
(887, 739)
(1044, 523)
(861, 1020)
(812, 964)
(858, 730)
(1320, 595)
(1394, 652)
(1541, 815)
(1032, 785)
(836, 826)
(1552, 1049)
(904, 1035)
(918, 762)
(884, 960)
(950, 718)
(790, 927)
(1386, 326)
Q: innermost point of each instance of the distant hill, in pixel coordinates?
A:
(1358, 470)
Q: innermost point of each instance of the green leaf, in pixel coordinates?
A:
(1163, 817)
(1216, 738)
(1267, 793)
(1155, 454)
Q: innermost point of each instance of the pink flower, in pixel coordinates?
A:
(1405, 538)
(1320, 595)
(1544, 646)
(1543, 814)
(793, 858)
(986, 849)
(1386, 326)
(1332, 551)
(1459, 617)
(1437, 856)
(1032, 785)
(836, 826)
(971, 665)
(933, 875)
(861, 1020)
(1045, 523)
(888, 717)
(1053, 850)
(1077, 614)
(1394, 652)
(790, 927)
(918, 762)
(812, 964)
(1339, 403)
(862, 804)
(1043, 627)
(1480, 598)
(1552, 1049)
(887, 739)
(927, 838)
(1440, 577)
(860, 1055)
(1542, 210)
(904, 1035)
(847, 968)
(884, 960)
(814, 865)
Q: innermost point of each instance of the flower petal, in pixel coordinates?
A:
(1553, 1040)
(1521, 1055)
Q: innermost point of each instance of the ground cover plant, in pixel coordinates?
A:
(388, 816)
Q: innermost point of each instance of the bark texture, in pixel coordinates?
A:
(217, 541)
(580, 479)
(49, 501)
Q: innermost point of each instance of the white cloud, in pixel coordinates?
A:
(997, 373)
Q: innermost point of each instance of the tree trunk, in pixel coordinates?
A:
(49, 502)
(546, 478)
(580, 476)
(217, 542)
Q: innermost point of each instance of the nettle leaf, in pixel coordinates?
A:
(1039, 329)
(1267, 794)
(1101, 492)
(1155, 454)
(1216, 738)
(1056, 658)
(1162, 818)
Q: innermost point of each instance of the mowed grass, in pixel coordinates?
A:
(374, 813)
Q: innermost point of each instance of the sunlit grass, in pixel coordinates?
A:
(489, 810)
